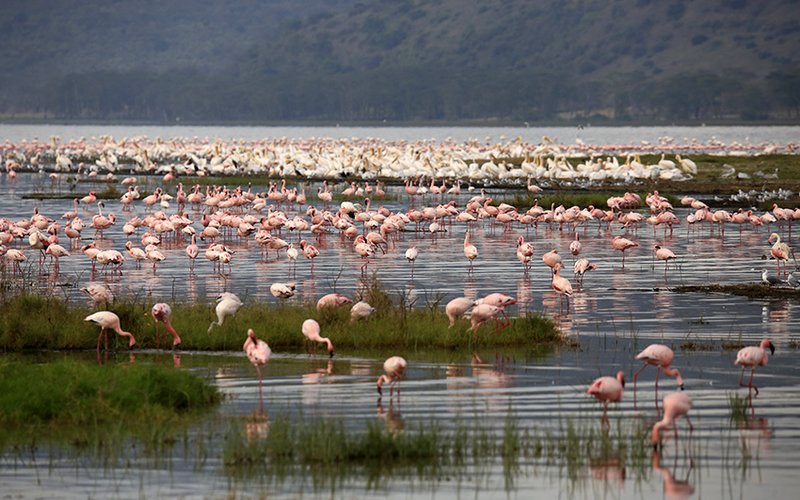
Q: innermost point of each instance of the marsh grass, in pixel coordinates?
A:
(329, 448)
(34, 321)
(740, 409)
(85, 403)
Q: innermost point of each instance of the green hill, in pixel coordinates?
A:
(403, 60)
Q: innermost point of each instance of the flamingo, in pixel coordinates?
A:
(575, 247)
(501, 301)
(753, 356)
(622, 244)
(394, 368)
(457, 308)
(309, 252)
(161, 313)
(108, 320)
(551, 258)
(411, 256)
(282, 290)
(607, 389)
(581, 266)
(482, 313)
(99, 294)
(661, 357)
(469, 251)
(227, 305)
(192, 251)
(258, 353)
(361, 310)
(675, 406)
(780, 251)
(55, 251)
(16, 256)
(332, 300)
(561, 285)
(524, 254)
(666, 255)
(311, 331)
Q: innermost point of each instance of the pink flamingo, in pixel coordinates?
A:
(457, 308)
(192, 251)
(469, 251)
(161, 313)
(551, 258)
(311, 332)
(309, 252)
(394, 368)
(753, 356)
(500, 300)
(581, 266)
(675, 406)
(561, 285)
(780, 251)
(481, 314)
(332, 300)
(575, 247)
(666, 255)
(108, 320)
(622, 244)
(258, 353)
(661, 357)
(607, 389)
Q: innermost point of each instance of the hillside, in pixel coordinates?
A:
(404, 60)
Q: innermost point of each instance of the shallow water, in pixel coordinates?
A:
(542, 391)
(616, 314)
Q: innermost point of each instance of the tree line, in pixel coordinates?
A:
(411, 94)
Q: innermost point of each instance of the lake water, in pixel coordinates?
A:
(614, 315)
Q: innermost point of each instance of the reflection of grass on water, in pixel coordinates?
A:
(327, 449)
(88, 404)
(31, 321)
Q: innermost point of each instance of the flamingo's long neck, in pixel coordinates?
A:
(673, 373)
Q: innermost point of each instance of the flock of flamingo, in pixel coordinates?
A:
(229, 214)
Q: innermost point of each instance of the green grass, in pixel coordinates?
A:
(83, 402)
(47, 322)
(329, 446)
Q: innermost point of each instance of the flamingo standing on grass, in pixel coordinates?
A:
(108, 320)
(161, 313)
(227, 305)
(457, 308)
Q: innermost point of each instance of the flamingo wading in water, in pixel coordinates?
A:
(661, 357)
(258, 352)
(675, 406)
(311, 331)
(394, 368)
(753, 356)
(607, 389)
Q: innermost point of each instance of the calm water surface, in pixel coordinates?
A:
(615, 315)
